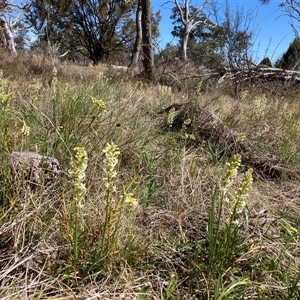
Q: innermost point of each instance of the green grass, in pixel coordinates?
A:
(200, 230)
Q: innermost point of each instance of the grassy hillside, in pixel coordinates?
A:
(140, 210)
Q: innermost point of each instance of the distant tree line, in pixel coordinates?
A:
(289, 60)
(127, 32)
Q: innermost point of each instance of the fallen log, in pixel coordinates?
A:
(270, 74)
(205, 125)
(119, 68)
(261, 78)
(250, 73)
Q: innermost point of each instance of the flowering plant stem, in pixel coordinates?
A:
(112, 207)
(77, 173)
(223, 228)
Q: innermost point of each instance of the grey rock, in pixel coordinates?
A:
(34, 168)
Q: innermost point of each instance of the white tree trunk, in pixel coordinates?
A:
(8, 35)
(138, 39)
(188, 21)
(184, 42)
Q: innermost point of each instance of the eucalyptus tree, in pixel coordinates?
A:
(222, 39)
(10, 14)
(147, 31)
(94, 28)
(139, 36)
(204, 39)
(147, 48)
(189, 16)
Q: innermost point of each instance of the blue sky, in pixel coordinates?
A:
(273, 32)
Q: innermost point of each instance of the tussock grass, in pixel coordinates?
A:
(198, 230)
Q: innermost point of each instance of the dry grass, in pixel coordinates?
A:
(172, 179)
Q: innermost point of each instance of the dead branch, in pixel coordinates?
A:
(268, 73)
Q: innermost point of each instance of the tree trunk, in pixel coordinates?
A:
(184, 42)
(148, 60)
(9, 37)
(97, 52)
(138, 39)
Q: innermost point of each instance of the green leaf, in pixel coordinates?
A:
(142, 292)
(171, 286)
